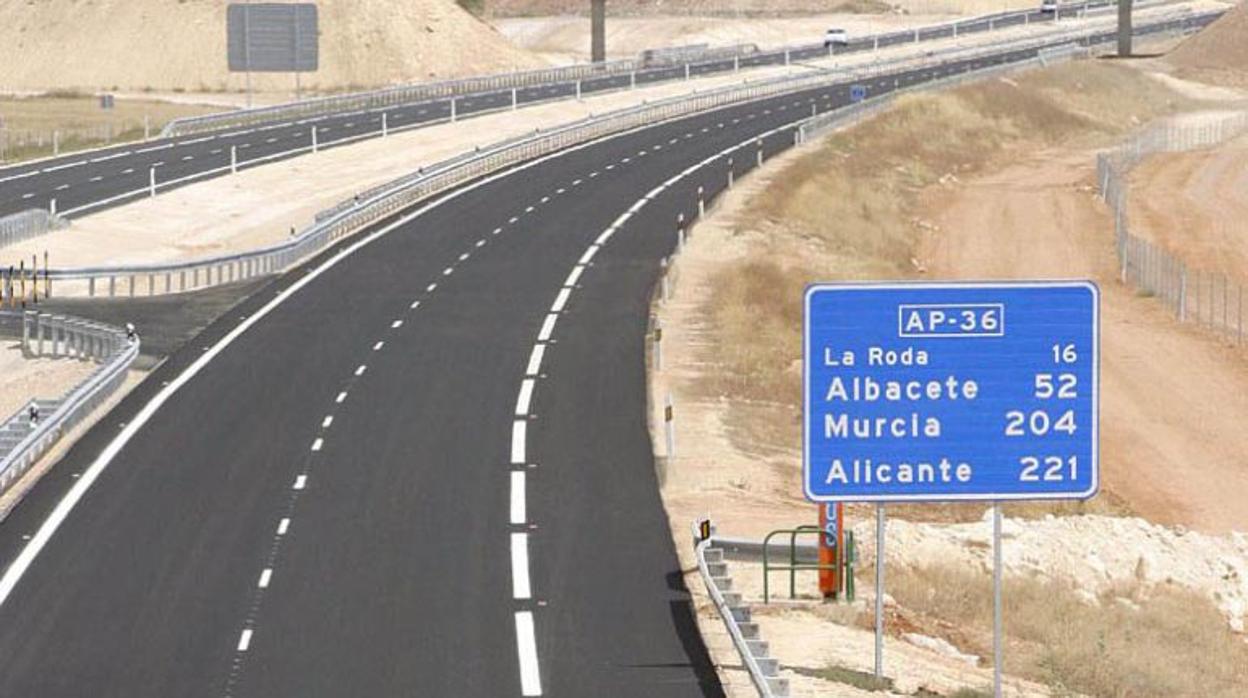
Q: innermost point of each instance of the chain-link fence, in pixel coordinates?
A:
(1202, 296)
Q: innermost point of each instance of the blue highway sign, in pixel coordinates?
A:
(857, 93)
(947, 391)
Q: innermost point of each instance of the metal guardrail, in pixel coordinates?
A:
(382, 201)
(27, 224)
(22, 442)
(1203, 297)
(764, 670)
(421, 92)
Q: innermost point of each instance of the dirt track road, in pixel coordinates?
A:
(1174, 445)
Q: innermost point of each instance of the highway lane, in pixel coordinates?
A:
(373, 482)
(111, 176)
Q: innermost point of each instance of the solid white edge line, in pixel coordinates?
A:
(520, 588)
(526, 646)
(518, 434)
(518, 513)
(535, 359)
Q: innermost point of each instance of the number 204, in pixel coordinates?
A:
(1048, 469)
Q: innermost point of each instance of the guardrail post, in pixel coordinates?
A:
(27, 317)
(41, 325)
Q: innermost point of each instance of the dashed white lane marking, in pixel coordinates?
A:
(414, 305)
(244, 640)
(481, 243)
(548, 327)
(520, 588)
(300, 482)
(518, 499)
(545, 199)
(265, 576)
(496, 231)
(341, 396)
(611, 166)
(593, 174)
(31, 195)
(561, 300)
(396, 324)
(560, 190)
(63, 187)
(574, 276)
(360, 371)
(283, 526)
(528, 209)
(128, 170)
(519, 430)
(526, 646)
(535, 359)
(576, 182)
(270, 140)
(464, 256)
(96, 178)
(215, 152)
(525, 397)
(513, 220)
(329, 419)
(316, 446)
(448, 271)
(379, 345)
(431, 288)
(626, 160)
(187, 158)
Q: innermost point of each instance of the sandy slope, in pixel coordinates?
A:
(163, 45)
(1173, 443)
(1218, 54)
(1196, 202)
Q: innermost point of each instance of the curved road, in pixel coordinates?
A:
(418, 464)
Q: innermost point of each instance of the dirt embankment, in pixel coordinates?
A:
(1219, 54)
(989, 181)
(162, 45)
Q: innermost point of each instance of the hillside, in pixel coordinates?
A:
(164, 45)
(1218, 54)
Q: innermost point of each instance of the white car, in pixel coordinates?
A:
(835, 37)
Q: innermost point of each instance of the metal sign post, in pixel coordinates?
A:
(951, 392)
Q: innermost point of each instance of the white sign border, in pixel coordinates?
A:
(1087, 284)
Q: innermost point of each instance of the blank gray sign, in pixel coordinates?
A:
(272, 37)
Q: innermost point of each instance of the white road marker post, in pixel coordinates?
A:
(578, 90)
(760, 153)
(314, 143)
(658, 345)
(632, 80)
(385, 125)
(453, 110)
(731, 175)
(680, 231)
(233, 159)
(879, 591)
(151, 180)
(669, 428)
(996, 600)
(52, 207)
(701, 201)
(686, 71)
(515, 99)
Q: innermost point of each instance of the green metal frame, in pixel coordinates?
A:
(846, 561)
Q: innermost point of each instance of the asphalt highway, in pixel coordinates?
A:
(416, 465)
(90, 181)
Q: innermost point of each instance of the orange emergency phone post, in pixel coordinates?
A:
(831, 543)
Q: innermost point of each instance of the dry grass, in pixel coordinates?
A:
(80, 121)
(1164, 643)
(846, 210)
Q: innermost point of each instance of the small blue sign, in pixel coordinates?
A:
(857, 93)
(951, 391)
